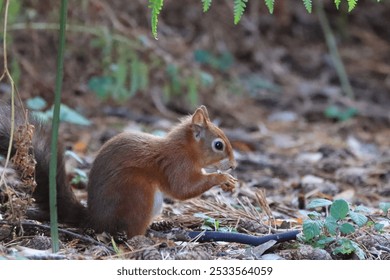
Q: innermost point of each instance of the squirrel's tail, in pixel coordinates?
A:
(70, 210)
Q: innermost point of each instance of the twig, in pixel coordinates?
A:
(7, 74)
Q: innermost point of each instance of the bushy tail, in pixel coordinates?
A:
(70, 210)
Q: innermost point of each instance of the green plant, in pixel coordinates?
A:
(221, 62)
(334, 230)
(155, 6)
(239, 7)
(14, 11)
(212, 224)
(185, 85)
(339, 114)
(127, 70)
(38, 104)
(206, 5)
(123, 71)
(384, 206)
(55, 127)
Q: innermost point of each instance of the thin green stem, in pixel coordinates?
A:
(334, 53)
(55, 126)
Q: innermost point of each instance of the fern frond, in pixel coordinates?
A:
(337, 3)
(206, 5)
(156, 6)
(308, 5)
(239, 8)
(351, 4)
(270, 5)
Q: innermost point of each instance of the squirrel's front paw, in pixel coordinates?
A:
(230, 183)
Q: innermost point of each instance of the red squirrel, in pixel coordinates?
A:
(133, 171)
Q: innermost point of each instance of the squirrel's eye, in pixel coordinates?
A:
(217, 145)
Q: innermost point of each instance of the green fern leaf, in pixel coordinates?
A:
(337, 3)
(270, 5)
(206, 5)
(308, 5)
(156, 6)
(239, 8)
(351, 4)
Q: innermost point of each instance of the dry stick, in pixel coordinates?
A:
(9, 77)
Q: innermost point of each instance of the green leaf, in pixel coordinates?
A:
(36, 103)
(239, 8)
(101, 85)
(358, 218)
(378, 226)
(347, 228)
(323, 240)
(331, 225)
(313, 215)
(69, 115)
(156, 6)
(311, 229)
(308, 5)
(202, 56)
(80, 177)
(175, 78)
(208, 222)
(337, 3)
(384, 206)
(120, 77)
(134, 77)
(358, 251)
(43, 117)
(363, 209)
(143, 76)
(334, 112)
(206, 5)
(270, 5)
(318, 202)
(114, 246)
(351, 4)
(345, 247)
(224, 61)
(339, 209)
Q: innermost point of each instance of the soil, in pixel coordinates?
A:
(268, 82)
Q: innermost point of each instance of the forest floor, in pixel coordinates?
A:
(296, 136)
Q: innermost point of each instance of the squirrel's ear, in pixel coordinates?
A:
(206, 113)
(199, 123)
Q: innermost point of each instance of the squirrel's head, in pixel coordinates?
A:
(213, 145)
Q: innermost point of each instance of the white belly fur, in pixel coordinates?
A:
(157, 203)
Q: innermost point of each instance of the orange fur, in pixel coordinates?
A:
(131, 167)
(131, 171)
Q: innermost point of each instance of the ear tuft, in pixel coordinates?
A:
(199, 118)
(206, 113)
(199, 123)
